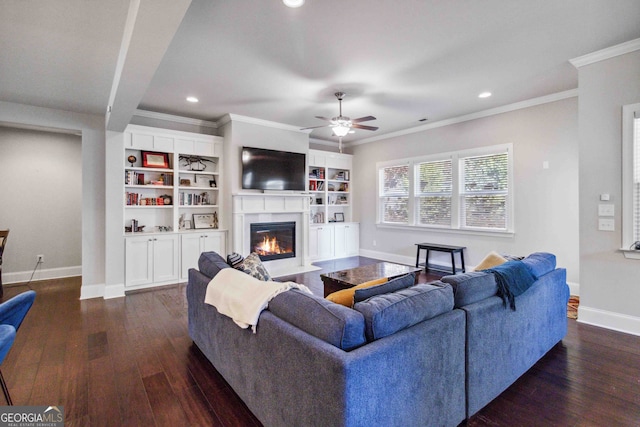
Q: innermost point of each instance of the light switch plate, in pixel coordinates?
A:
(606, 224)
(606, 209)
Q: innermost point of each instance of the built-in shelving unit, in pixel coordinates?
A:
(332, 234)
(172, 203)
(329, 187)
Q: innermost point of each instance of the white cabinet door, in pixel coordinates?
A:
(323, 242)
(216, 242)
(165, 258)
(340, 240)
(189, 253)
(193, 244)
(352, 239)
(139, 261)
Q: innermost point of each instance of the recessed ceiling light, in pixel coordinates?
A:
(484, 95)
(293, 3)
(192, 99)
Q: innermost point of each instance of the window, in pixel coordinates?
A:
(395, 194)
(434, 193)
(462, 190)
(484, 191)
(631, 176)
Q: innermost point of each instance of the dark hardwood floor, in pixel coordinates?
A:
(130, 361)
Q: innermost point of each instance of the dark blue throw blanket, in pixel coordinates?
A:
(513, 278)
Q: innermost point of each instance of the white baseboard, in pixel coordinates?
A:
(113, 291)
(609, 320)
(41, 274)
(91, 291)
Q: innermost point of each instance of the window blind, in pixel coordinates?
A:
(395, 194)
(485, 181)
(434, 193)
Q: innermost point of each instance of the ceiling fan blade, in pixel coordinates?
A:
(315, 127)
(357, 126)
(323, 118)
(363, 119)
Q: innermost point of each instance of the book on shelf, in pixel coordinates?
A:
(136, 199)
(188, 199)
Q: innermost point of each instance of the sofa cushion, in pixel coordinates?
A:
(384, 288)
(210, 263)
(252, 265)
(330, 322)
(471, 287)
(492, 259)
(540, 263)
(387, 314)
(345, 296)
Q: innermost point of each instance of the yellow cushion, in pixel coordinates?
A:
(491, 260)
(345, 296)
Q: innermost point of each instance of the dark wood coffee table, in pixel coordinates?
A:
(344, 279)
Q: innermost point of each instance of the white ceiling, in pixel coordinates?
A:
(400, 61)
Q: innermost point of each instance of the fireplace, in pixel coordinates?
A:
(273, 240)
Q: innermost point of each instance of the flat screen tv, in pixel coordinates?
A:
(264, 169)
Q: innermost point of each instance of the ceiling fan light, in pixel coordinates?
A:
(341, 130)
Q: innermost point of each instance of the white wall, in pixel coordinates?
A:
(546, 200)
(609, 286)
(93, 180)
(41, 194)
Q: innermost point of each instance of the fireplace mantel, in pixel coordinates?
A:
(272, 207)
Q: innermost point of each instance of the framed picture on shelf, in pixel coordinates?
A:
(152, 159)
(206, 220)
(187, 224)
(339, 217)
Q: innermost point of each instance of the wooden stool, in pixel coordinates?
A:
(440, 248)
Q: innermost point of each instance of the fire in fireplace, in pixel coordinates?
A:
(273, 240)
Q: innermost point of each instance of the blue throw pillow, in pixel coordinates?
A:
(336, 324)
(384, 288)
(387, 314)
(210, 263)
(540, 263)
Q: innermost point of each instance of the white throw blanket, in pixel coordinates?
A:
(242, 297)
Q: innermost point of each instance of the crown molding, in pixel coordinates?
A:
(324, 142)
(603, 54)
(251, 120)
(175, 119)
(473, 116)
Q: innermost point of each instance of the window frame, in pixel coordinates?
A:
(629, 115)
(456, 196)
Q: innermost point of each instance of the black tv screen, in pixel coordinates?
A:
(264, 169)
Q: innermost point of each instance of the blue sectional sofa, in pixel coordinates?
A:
(426, 355)
(501, 343)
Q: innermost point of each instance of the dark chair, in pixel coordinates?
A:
(12, 313)
(4, 234)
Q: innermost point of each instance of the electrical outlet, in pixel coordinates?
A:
(374, 243)
(40, 258)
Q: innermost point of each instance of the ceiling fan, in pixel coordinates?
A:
(342, 125)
